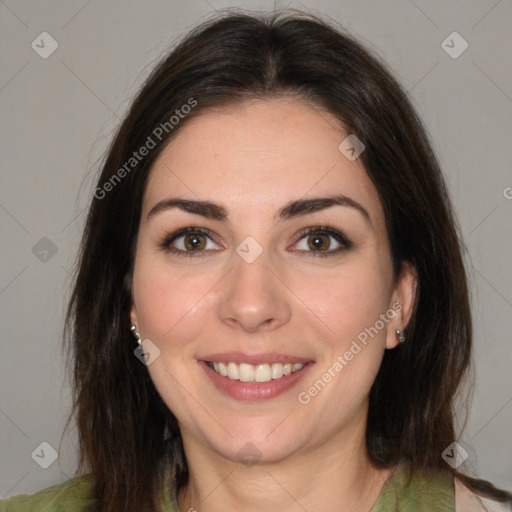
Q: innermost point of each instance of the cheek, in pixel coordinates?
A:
(350, 303)
(348, 300)
(359, 300)
(171, 308)
(169, 304)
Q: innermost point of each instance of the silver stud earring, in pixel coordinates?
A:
(133, 328)
(401, 337)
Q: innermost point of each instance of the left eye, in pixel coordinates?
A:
(318, 242)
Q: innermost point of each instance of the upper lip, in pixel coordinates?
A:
(254, 359)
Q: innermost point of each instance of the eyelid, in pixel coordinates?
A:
(339, 236)
(335, 233)
(168, 239)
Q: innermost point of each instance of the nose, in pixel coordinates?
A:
(253, 296)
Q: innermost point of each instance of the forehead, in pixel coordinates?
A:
(258, 155)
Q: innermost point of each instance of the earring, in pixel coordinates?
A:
(401, 337)
(133, 328)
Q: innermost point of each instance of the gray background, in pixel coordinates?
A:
(58, 115)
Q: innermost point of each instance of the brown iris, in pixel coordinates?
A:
(315, 241)
(193, 241)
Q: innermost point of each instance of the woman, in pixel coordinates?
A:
(271, 309)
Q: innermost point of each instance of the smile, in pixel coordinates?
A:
(265, 372)
(255, 382)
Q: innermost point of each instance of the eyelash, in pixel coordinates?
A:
(340, 237)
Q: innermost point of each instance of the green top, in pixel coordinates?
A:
(426, 492)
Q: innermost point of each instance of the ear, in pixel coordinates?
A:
(133, 315)
(128, 284)
(402, 303)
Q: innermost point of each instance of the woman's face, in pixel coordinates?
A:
(270, 278)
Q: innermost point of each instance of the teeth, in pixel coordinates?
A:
(255, 373)
(263, 373)
(246, 372)
(233, 371)
(277, 371)
(223, 369)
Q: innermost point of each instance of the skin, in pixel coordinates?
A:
(254, 158)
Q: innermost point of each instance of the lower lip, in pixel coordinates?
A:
(253, 392)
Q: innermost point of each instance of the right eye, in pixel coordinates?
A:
(190, 242)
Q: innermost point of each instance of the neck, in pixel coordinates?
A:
(337, 475)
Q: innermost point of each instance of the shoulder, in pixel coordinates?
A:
(73, 495)
(467, 501)
(428, 490)
(419, 491)
(432, 490)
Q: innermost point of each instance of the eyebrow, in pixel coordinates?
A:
(215, 211)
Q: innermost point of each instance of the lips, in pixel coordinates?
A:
(254, 376)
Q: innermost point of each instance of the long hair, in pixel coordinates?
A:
(128, 438)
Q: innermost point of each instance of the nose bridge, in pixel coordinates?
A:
(252, 296)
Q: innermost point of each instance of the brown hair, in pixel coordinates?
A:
(128, 437)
